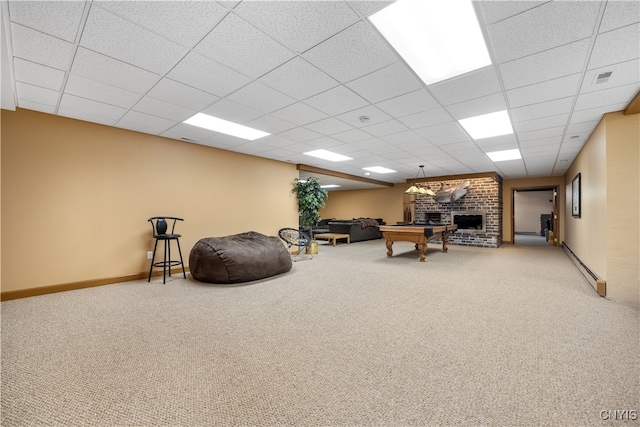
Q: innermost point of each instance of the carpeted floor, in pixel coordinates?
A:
(513, 336)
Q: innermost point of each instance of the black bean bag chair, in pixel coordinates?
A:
(238, 258)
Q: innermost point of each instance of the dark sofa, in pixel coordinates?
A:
(358, 229)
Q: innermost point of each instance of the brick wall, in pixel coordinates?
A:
(483, 194)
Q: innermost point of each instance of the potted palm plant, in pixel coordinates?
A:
(311, 197)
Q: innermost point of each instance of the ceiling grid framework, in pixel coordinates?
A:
(306, 72)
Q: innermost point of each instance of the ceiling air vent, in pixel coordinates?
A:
(574, 137)
(184, 138)
(604, 77)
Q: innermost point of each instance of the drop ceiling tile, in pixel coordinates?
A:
(408, 104)
(84, 116)
(130, 43)
(276, 141)
(146, 123)
(468, 86)
(543, 109)
(87, 106)
(540, 151)
(622, 74)
(299, 114)
(619, 14)
(228, 110)
(180, 94)
(155, 107)
(541, 134)
(616, 95)
(270, 124)
(195, 70)
(369, 143)
(502, 140)
(298, 25)
(576, 137)
(336, 101)
(353, 117)
(38, 75)
(545, 91)
(242, 47)
(351, 136)
(59, 19)
(616, 46)
(543, 123)
(426, 118)
(37, 94)
(36, 106)
(329, 126)
(298, 79)
(551, 64)
(261, 97)
(187, 131)
(550, 140)
(101, 92)
(352, 53)
(476, 107)
(594, 114)
(300, 134)
(512, 38)
(112, 72)
(389, 82)
(366, 8)
(184, 23)
(40, 48)
(402, 137)
(495, 11)
(251, 148)
(587, 127)
(460, 146)
(385, 128)
(445, 133)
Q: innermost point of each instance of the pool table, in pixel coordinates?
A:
(418, 234)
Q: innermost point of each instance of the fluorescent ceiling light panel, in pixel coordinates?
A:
(379, 169)
(437, 39)
(501, 156)
(223, 126)
(327, 155)
(488, 125)
(330, 186)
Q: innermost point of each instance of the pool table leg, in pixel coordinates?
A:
(445, 241)
(422, 247)
(389, 248)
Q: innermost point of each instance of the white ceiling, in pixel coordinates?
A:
(305, 71)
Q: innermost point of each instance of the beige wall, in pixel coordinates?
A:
(623, 207)
(606, 236)
(76, 197)
(528, 208)
(509, 185)
(385, 203)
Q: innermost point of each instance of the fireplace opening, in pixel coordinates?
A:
(433, 218)
(472, 221)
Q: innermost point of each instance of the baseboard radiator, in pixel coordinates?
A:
(598, 283)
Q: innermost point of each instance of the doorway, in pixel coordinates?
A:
(535, 216)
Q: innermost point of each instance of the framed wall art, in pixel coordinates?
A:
(575, 196)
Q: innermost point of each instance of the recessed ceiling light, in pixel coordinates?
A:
(330, 186)
(223, 126)
(501, 156)
(488, 125)
(327, 155)
(437, 39)
(379, 169)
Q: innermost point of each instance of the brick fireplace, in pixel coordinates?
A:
(478, 213)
